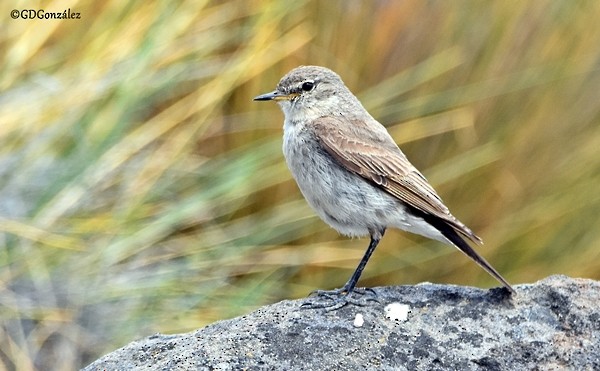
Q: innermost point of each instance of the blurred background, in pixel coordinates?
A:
(142, 190)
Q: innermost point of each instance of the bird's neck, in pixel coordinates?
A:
(336, 106)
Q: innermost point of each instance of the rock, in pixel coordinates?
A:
(552, 324)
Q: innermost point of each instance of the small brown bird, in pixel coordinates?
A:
(353, 174)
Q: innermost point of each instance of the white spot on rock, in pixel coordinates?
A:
(397, 311)
(359, 320)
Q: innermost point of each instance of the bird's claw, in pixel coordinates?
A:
(335, 299)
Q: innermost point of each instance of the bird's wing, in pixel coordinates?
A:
(375, 157)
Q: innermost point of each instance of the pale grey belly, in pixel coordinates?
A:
(344, 200)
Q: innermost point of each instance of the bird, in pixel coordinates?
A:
(355, 177)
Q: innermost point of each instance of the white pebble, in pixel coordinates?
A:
(397, 311)
(359, 320)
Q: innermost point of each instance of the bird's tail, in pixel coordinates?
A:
(452, 236)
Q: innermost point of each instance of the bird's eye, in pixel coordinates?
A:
(308, 86)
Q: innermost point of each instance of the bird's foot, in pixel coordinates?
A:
(338, 298)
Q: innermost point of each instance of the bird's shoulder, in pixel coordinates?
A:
(363, 144)
(362, 133)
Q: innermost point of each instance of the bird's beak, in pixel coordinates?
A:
(275, 95)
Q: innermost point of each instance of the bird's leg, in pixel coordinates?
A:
(335, 299)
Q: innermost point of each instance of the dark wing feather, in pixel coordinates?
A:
(374, 156)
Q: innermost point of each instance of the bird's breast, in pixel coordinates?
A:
(344, 200)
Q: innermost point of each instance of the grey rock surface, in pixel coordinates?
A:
(553, 324)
